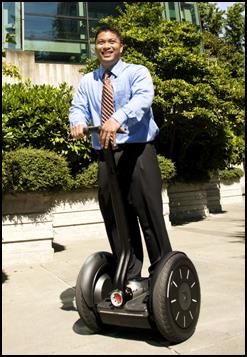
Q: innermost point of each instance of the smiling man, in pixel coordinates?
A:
(130, 93)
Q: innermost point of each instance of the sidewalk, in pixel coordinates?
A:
(39, 311)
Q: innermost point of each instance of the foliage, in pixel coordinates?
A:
(226, 46)
(10, 70)
(199, 101)
(212, 18)
(30, 169)
(37, 116)
(88, 177)
(167, 168)
(231, 174)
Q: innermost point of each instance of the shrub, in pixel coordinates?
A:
(88, 178)
(231, 174)
(30, 169)
(167, 168)
(40, 170)
(37, 116)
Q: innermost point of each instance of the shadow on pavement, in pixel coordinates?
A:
(240, 236)
(58, 247)
(149, 336)
(67, 298)
(4, 277)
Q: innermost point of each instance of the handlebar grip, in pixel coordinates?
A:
(91, 129)
(96, 129)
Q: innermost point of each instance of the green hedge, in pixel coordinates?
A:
(231, 174)
(34, 170)
(167, 168)
(37, 116)
(40, 170)
(88, 177)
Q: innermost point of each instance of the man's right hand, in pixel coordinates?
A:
(77, 131)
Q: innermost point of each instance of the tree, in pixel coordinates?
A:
(227, 44)
(235, 26)
(198, 105)
(212, 18)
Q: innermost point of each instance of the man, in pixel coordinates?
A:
(134, 152)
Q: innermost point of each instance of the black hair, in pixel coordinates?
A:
(105, 28)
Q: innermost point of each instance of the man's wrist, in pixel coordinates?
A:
(116, 121)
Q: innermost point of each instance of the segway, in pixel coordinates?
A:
(168, 302)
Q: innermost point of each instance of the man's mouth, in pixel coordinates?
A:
(107, 53)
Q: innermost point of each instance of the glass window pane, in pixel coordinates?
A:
(11, 25)
(172, 11)
(51, 28)
(58, 57)
(189, 12)
(52, 8)
(102, 9)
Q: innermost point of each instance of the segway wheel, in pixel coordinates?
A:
(93, 283)
(176, 298)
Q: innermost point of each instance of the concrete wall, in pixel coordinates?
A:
(42, 73)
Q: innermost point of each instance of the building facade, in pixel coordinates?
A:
(61, 33)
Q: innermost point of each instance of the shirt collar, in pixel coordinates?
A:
(115, 70)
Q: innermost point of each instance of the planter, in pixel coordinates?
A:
(231, 191)
(27, 232)
(212, 189)
(33, 222)
(166, 207)
(187, 201)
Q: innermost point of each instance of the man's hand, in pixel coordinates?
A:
(77, 131)
(108, 132)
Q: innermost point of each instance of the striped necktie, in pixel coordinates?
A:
(107, 103)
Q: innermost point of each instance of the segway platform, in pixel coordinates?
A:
(133, 313)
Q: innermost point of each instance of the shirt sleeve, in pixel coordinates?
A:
(142, 94)
(79, 111)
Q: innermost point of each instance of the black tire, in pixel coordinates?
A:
(89, 317)
(176, 298)
(95, 266)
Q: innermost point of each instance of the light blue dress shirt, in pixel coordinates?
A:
(133, 95)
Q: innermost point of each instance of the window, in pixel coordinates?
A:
(11, 25)
(56, 31)
(62, 32)
(172, 11)
(98, 10)
(189, 12)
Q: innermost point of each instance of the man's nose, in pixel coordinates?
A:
(106, 45)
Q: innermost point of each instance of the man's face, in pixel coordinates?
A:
(108, 48)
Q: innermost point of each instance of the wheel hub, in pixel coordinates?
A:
(184, 296)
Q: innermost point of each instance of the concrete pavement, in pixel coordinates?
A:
(39, 311)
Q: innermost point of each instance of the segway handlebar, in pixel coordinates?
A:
(96, 129)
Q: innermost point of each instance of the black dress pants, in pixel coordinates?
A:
(140, 184)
